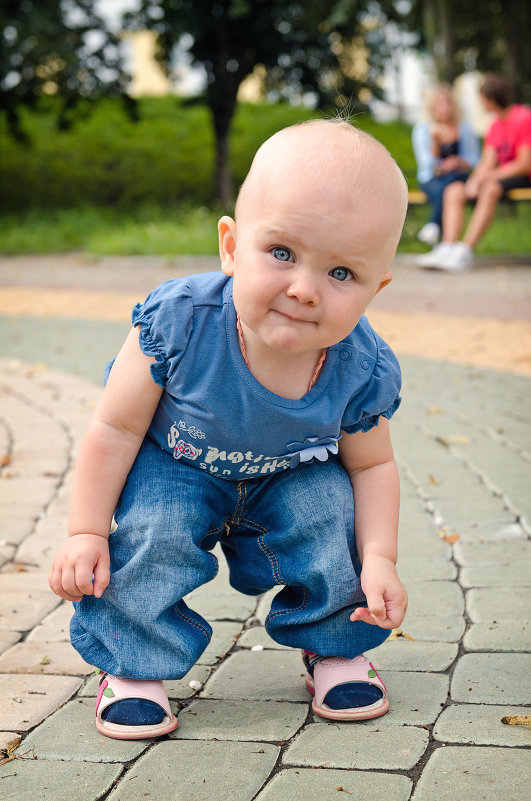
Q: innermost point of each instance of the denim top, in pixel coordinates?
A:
(215, 415)
(467, 147)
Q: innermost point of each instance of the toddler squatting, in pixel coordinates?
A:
(250, 407)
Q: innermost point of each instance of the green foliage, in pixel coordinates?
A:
(105, 159)
(51, 46)
(151, 230)
(166, 158)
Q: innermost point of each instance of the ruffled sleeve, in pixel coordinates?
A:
(379, 397)
(165, 322)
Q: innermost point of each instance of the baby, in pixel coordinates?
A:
(250, 407)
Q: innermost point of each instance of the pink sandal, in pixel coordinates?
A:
(334, 671)
(113, 689)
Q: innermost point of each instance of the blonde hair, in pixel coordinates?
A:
(442, 88)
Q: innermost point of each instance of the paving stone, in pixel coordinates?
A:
(347, 745)
(198, 771)
(512, 635)
(70, 734)
(475, 774)
(259, 676)
(264, 604)
(224, 635)
(240, 720)
(6, 552)
(406, 655)
(8, 638)
(510, 550)
(295, 784)
(25, 583)
(55, 781)
(488, 531)
(499, 604)
(39, 548)
(20, 613)
(426, 598)
(492, 679)
(434, 628)
(416, 699)
(175, 689)
(16, 527)
(26, 700)
(413, 568)
(55, 627)
(481, 725)
(257, 635)
(57, 658)
(29, 494)
(221, 606)
(425, 546)
(486, 574)
(9, 740)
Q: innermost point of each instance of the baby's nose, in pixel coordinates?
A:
(304, 288)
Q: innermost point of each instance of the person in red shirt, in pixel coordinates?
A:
(505, 164)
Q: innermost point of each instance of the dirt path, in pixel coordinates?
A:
(480, 318)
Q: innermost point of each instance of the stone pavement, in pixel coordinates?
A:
(459, 665)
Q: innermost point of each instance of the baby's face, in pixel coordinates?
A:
(314, 235)
(303, 280)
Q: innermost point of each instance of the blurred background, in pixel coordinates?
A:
(127, 125)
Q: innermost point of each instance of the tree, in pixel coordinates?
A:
(304, 46)
(491, 36)
(54, 47)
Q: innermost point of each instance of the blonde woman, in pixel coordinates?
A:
(446, 149)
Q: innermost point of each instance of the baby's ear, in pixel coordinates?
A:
(387, 277)
(227, 244)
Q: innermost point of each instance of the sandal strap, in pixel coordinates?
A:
(130, 688)
(332, 671)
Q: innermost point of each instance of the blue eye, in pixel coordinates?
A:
(282, 254)
(341, 274)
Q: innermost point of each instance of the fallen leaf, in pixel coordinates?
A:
(434, 410)
(460, 439)
(5, 460)
(452, 538)
(517, 720)
(398, 634)
(433, 481)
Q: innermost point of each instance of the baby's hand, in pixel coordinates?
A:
(82, 556)
(385, 593)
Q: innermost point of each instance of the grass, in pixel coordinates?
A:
(111, 186)
(151, 230)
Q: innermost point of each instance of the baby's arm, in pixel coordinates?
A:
(369, 461)
(108, 450)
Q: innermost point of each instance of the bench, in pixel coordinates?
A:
(418, 198)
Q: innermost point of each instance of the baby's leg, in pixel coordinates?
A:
(141, 628)
(304, 521)
(304, 524)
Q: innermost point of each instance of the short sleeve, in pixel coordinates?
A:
(165, 320)
(379, 397)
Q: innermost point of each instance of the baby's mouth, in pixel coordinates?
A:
(293, 317)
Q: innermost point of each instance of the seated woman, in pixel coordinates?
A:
(505, 164)
(445, 149)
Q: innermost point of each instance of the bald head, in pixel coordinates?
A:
(328, 164)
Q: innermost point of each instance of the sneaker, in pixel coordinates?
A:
(429, 234)
(435, 257)
(458, 257)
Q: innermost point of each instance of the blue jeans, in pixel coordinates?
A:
(294, 529)
(435, 187)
